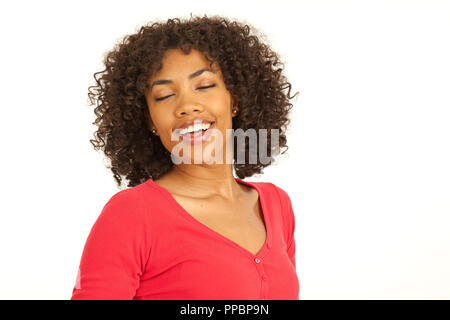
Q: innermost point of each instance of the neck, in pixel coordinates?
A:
(205, 181)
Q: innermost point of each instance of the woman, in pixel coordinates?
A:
(190, 230)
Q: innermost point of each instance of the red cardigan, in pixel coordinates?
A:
(144, 245)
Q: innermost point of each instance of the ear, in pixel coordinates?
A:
(148, 120)
(234, 105)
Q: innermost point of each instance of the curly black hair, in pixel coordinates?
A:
(252, 72)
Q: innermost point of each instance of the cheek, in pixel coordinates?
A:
(159, 118)
(221, 104)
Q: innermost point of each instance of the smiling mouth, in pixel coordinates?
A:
(183, 132)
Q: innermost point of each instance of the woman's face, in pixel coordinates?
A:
(187, 89)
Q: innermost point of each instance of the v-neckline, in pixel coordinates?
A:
(261, 203)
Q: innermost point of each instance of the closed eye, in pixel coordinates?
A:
(213, 85)
(162, 98)
(206, 87)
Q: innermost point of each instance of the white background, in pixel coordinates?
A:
(368, 169)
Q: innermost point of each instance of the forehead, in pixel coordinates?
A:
(176, 63)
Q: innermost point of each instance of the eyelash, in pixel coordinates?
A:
(206, 87)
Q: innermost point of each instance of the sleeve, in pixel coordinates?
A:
(291, 252)
(286, 204)
(114, 253)
(291, 245)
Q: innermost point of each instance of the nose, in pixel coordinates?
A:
(188, 105)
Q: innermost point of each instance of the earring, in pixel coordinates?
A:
(234, 111)
(153, 131)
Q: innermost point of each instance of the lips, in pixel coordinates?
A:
(199, 136)
(193, 122)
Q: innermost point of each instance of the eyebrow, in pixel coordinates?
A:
(195, 74)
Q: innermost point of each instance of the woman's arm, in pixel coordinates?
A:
(289, 219)
(114, 254)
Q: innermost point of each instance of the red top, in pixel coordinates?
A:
(145, 246)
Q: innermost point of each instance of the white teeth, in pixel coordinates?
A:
(196, 127)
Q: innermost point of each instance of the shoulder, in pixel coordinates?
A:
(270, 190)
(126, 205)
(273, 192)
(287, 212)
(144, 203)
(128, 199)
(135, 198)
(282, 194)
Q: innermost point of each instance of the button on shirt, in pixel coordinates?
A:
(145, 246)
